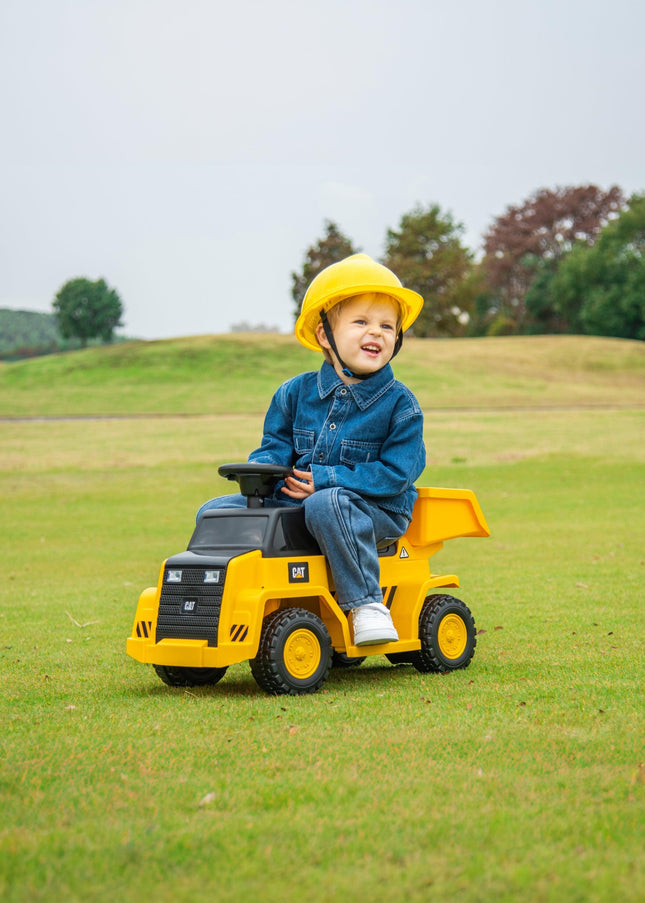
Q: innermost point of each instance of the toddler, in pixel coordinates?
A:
(351, 432)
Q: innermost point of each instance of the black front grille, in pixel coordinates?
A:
(190, 610)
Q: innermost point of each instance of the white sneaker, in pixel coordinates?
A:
(373, 624)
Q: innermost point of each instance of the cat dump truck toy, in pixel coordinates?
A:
(254, 585)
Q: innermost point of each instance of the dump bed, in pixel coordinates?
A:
(441, 514)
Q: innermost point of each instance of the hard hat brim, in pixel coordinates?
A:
(409, 302)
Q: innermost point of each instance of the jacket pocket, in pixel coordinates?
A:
(353, 451)
(303, 441)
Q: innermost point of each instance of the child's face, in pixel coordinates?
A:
(365, 330)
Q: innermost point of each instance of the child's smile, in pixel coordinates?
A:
(372, 349)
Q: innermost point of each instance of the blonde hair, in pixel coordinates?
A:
(334, 312)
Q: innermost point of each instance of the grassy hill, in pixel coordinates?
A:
(238, 373)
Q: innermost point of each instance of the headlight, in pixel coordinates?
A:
(173, 576)
(211, 576)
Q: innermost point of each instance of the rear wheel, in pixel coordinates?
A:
(294, 655)
(341, 660)
(176, 676)
(447, 634)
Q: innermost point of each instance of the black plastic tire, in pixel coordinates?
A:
(447, 634)
(294, 655)
(175, 676)
(340, 660)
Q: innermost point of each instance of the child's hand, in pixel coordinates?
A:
(300, 485)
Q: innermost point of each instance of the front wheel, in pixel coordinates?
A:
(176, 676)
(294, 655)
(447, 634)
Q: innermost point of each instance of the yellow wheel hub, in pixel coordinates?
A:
(302, 653)
(452, 636)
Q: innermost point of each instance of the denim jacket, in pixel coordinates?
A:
(366, 437)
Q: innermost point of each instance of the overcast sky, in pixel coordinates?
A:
(189, 151)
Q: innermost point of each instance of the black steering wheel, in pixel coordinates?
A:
(256, 481)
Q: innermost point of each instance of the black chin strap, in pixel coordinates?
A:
(329, 335)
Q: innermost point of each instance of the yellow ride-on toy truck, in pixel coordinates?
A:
(254, 585)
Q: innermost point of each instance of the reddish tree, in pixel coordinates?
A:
(541, 231)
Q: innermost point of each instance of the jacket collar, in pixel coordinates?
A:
(364, 393)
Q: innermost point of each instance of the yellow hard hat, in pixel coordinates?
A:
(354, 275)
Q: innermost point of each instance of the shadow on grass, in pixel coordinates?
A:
(241, 683)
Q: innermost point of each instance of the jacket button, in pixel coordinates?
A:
(321, 457)
(332, 426)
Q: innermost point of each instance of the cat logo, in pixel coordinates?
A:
(404, 553)
(298, 572)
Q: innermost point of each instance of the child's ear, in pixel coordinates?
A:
(322, 338)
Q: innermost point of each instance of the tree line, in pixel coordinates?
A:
(27, 333)
(566, 260)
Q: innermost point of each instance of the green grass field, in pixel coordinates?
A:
(519, 778)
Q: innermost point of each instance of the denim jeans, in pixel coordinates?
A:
(347, 529)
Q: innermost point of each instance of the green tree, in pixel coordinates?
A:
(601, 289)
(427, 255)
(542, 316)
(87, 310)
(331, 248)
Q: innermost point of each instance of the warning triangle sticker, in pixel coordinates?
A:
(404, 553)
